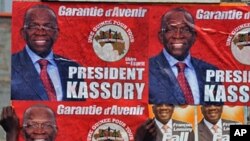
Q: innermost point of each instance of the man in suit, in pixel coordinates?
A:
(40, 31)
(177, 35)
(39, 123)
(212, 127)
(163, 127)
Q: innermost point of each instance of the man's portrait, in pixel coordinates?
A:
(164, 127)
(38, 123)
(213, 127)
(37, 73)
(175, 76)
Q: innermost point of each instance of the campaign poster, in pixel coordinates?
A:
(224, 117)
(104, 94)
(90, 122)
(109, 48)
(221, 41)
(182, 118)
(101, 55)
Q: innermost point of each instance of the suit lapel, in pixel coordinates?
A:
(159, 134)
(200, 78)
(204, 132)
(30, 75)
(168, 79)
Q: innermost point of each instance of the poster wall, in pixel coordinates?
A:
(109, 61)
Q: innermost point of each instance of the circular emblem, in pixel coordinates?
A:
(240, 43)
(110, 129)
(111, 43)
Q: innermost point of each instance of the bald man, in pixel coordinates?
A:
(39, 123)
(37, 73)
(163, 127)
(169, 69)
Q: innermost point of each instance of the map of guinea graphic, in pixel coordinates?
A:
(111, 37)
(242, 40)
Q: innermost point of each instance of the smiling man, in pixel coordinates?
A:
(36, 72)
(163, 127)
(212, 127)
(39, 123)
(173, 71)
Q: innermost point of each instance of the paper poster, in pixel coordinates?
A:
(82, 121)
(105, 68)
(105, 86)
(224, 116)
(182, 118)
(222, 44)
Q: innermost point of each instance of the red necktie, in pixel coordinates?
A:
(46, 80)
(184, 83)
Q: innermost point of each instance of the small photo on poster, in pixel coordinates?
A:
(214, 121)
(168, 122)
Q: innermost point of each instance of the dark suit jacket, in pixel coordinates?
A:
(25, 81)
(143, 135)
(163, 85)
(204, 134)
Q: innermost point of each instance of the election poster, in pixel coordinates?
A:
(225, 117)
(100, 58)
(181, 121)
(102, 67)
(111, 64)
(218, 45)
(81, 121)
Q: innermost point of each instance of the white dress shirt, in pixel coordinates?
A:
(52, 70)
(217, 135)
(189, 74)
(166, 135)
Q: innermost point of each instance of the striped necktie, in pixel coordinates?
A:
(44, 76)
(184, 83)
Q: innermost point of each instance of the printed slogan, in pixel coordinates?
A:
(105, 95)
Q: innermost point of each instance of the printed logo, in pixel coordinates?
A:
(110, 129)
(239, 41)
(111, 40)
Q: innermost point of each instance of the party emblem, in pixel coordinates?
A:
(111, 40)
(110, 129)
(239, 41)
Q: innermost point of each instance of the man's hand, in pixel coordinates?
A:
(147, 131)
(10, 123)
